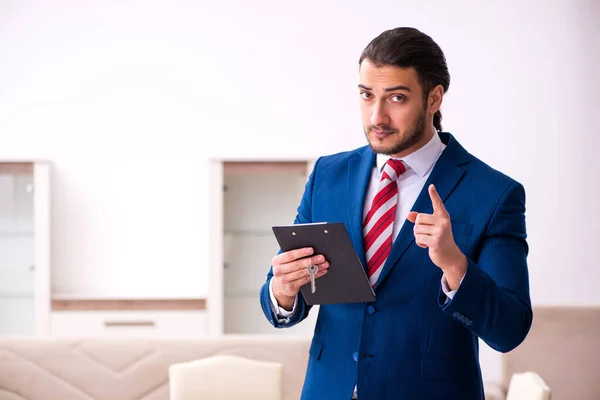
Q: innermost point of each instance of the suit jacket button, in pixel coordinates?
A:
(370, 309)
(355, 356)
(456, 314)
(469, 322)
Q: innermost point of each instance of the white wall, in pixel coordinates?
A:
(130, 99)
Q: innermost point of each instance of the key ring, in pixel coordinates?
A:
(312, 269)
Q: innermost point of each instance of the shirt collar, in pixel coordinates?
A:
(421, 160)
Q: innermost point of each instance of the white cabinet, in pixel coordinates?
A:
(248, 199)
(183, 318)
(24, 248)
(154, 324)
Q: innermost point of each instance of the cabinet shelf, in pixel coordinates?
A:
(245, 232)
(16, 295)
(245, 295)
(16, 234)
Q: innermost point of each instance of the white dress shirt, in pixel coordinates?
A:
(419, 165)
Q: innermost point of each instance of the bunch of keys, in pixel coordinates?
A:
(312, 271)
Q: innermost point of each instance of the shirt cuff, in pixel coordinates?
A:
(283, 316)
(446, 289)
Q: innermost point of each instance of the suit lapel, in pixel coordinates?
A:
(360, 169)
(445, 176)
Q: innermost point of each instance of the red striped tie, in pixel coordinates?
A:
(379, 223)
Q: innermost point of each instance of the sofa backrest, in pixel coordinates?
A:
(128, 369)
(563, 348)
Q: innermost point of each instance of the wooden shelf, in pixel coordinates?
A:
(127, 304)
(16, 168)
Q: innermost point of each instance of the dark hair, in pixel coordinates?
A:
(409, 47)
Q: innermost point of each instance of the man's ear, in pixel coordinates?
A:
(436, 95)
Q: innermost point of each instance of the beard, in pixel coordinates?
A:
(400, 142)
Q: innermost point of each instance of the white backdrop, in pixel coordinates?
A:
(129, 100)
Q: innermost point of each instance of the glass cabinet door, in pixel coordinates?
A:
(17, 247)
(256, 196)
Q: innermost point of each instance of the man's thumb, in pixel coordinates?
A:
(412, 216)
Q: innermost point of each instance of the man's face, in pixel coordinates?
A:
(393, 114)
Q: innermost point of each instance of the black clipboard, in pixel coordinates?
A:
(346, 280)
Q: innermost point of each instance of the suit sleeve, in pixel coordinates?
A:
(304, 215)
(493, 298)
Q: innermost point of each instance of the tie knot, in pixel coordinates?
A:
(392, 169)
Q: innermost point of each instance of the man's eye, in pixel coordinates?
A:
(398, 98)
(365, 95)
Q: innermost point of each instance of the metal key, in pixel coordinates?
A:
(312, 271)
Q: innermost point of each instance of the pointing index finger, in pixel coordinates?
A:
(436, 200)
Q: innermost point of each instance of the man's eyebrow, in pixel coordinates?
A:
(399, 87)
(391, 89)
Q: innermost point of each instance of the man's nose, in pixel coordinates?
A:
(379, 116)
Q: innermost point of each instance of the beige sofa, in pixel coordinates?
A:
(563, 347)
(114, 369)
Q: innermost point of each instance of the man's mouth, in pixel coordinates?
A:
(380, 134)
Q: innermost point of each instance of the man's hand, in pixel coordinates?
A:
(290, 273)
(434, 232)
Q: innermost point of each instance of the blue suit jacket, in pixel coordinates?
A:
(409, 343)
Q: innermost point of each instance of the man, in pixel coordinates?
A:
(441, 235)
